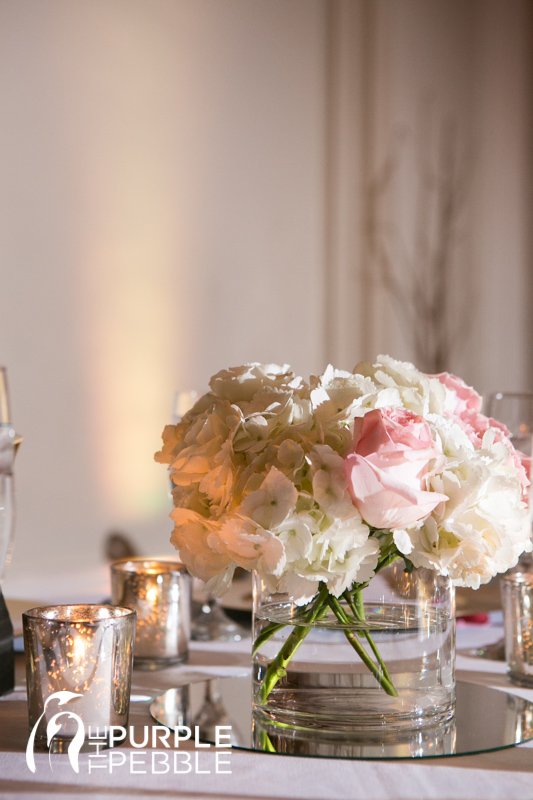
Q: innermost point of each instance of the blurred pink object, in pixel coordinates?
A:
(473, 619)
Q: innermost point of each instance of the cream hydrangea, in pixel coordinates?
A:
(272, 473)
(484, 526)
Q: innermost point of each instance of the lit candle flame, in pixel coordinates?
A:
(79, 650)
(151, 595)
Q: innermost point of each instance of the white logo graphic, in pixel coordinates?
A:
(53, 727)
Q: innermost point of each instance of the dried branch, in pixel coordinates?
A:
(418, 276)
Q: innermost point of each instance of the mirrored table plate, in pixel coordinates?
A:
(485, 719)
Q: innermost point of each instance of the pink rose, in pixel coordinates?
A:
(467, 399)
(466, 409)
(467, 413)
(387, 469)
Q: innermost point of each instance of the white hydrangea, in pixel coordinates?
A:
(484, 526)
(259, 470)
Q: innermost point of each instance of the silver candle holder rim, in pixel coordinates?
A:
(518, 579)
(153, 566)
(81, 613)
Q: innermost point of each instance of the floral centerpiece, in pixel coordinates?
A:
(319, 485)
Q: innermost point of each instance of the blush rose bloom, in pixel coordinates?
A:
(466, 410)
(464, 405)
(387, 469)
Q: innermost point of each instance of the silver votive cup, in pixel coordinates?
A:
(517, 601)
(160, 592)
(78, 673)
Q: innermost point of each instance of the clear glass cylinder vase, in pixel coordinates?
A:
(379, 659)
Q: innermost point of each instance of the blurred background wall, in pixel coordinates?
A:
(191, 184)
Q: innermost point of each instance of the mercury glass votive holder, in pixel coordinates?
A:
(160, 593)
(78, 673)
(517, 601)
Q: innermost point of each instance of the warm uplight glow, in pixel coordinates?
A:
(131, 390)
(129, 256)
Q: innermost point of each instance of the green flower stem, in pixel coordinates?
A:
(277, 668)
(266, 743)
(323, 601)
(358, 610)
(266, 634)
(357, 605)
(386, 559)
(389, 554)
(384, 681)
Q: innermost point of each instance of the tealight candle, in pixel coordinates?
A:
(160, 592)
(517, 601)
(78, 673)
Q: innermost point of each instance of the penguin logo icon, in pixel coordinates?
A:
(54, 726)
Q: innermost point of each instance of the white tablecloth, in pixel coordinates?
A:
(504, 774)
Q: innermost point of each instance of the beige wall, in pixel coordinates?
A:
(162, 218)
(185, 186)
(439, 74)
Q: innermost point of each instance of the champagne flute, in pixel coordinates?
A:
(515, 410)
(8, 441)
(8, 444)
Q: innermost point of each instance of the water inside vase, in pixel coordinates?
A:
(326, 685)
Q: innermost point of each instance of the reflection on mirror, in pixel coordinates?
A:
(485, 719)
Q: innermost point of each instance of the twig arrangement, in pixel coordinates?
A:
(419, 272)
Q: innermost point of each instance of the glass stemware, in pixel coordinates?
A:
(213, 714)
(7, 454)
(515, 411)
(8, 443)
